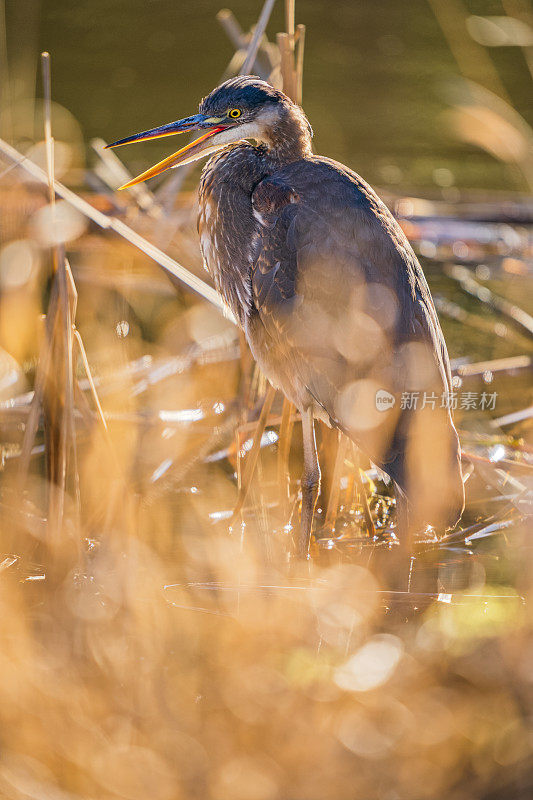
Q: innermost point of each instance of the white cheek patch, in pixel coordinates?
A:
(250, 130)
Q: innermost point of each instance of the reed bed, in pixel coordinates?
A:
(156, 639)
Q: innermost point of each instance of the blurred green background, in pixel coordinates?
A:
(373, 82)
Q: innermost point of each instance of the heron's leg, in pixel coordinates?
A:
(310, 481)
(335, 489)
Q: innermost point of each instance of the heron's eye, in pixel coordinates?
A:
(234, 113)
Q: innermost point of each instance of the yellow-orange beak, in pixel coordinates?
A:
(188, 153)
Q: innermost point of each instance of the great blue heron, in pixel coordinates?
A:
(329, 293)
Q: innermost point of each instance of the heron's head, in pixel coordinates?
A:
(241, 108)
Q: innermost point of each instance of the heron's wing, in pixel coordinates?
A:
(341, 312)
(335, 282)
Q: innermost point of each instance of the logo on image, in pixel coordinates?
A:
(384, 400)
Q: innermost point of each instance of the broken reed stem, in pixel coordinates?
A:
(286, 64)
(291, 73)
(253, 455)
(289, 20)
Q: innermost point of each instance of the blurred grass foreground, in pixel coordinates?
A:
(153, 644)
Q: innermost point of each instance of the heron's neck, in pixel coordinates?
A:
(290, 139)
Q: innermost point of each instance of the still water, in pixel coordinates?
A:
(374, 81)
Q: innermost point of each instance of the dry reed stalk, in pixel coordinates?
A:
(507, 364)
(350, 494)
(43, 367)
(291, 72)
(56, 400)
(511, 419)
(370, 527)
(335, 485)
(59, 415)
(255, 41)
(58, 394)
(165, 261)
(287, 64)
(55, 384)
(273, 421)
(502, 463)
(253, 455)
(487, 297)
(49, 142)
(263, 63)
(82, 405)
(115, 174)
(492, 327)
(92, 387)
(284, 449)
(300, 39)
(43, 364)
(289, 20)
